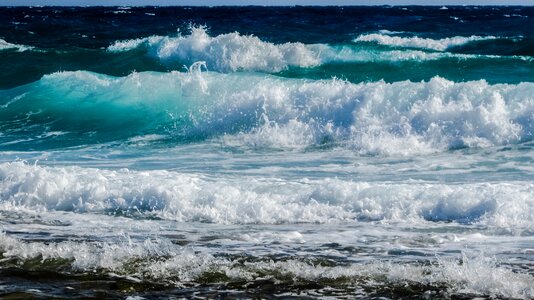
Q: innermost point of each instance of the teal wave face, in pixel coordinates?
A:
(264, 111)
(73, 108)
(82, 108)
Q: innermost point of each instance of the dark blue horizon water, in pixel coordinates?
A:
(76, 38)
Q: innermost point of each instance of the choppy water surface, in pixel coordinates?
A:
(267, 152)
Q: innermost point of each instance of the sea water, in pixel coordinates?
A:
(263, 152)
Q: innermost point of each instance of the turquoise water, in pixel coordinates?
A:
(267, 152)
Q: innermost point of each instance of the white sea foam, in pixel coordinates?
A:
(163, 261)
(258, 111)
(186, 197)
(418, 42)
(20, 48)
(127, 45)
(232, 51)
(226, 52)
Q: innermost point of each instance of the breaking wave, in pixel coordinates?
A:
(9, 46)
(162, 262)
(188, 198)
(263, 111)
(232, 52)
(422, 43)
(226, 52)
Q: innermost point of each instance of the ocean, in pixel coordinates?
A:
(267, 152)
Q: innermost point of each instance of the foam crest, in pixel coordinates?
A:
(20, 48)
(127, 45)
(226, 52)
(481, 275)
(381, 118)
(235, 52)
(418, 42)
(185, 197)
(259, 111)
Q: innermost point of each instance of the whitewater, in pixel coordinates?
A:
(267, 152)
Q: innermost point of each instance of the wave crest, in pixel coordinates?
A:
(422, 43)
(235, 52)
(187, 197)
(159, 260)
(7, 46)
(226, 52)
(255, 110)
